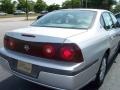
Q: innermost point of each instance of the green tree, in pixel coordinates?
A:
(71, 4)
(110, 3)
(31, 5)
(40, 5)
(22, 5)
(0, 5)
(101, 4)
(53, 7)
(116, 9)
(0, 8)
(15, 5)
(7, 6)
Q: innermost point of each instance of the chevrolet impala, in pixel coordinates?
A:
(64, 49)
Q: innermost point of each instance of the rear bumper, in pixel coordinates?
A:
(53, 80)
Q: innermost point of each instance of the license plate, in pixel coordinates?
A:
(25, 67)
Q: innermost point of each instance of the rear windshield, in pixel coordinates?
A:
(73, 19)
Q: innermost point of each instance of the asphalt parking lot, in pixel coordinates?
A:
(11, 82)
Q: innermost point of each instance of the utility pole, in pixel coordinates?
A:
(72, 3)
(86, 3)
(81, 3)
(26, 9)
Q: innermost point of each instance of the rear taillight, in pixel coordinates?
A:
(48, 50)
(71, 52)
(9, 43)
(68, 52)
(12, 44)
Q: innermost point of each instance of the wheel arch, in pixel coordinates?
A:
(107, 52)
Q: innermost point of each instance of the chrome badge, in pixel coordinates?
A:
(26, 47)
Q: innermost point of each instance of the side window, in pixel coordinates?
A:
(117, 15)
(108, 21)
(115, 21)
(102, 21)
(113, 18)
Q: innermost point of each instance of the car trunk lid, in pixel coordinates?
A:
(44, 34)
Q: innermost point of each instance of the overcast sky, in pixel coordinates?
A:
(49, 2)
(54, 1)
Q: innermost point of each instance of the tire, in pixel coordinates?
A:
(119, 48)
(102, 72)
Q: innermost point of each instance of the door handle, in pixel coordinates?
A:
(116, 35)
(112, 37)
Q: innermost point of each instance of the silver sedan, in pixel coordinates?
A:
(65, 49)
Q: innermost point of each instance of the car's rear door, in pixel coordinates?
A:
(116, 26)
(110, 28)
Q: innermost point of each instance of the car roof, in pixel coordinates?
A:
(97, 10)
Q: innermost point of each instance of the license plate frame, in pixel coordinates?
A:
(24, 67)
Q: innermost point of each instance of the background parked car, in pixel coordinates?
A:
(19, 12)
(44, 12)
(2, 13)
(31, 12)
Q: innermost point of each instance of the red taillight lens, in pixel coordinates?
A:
(67, 53)
(71, 52)
(64, 52)
(12, 44)
(48, 50)
(9, 43)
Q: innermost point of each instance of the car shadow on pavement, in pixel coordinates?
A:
(15, 83)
